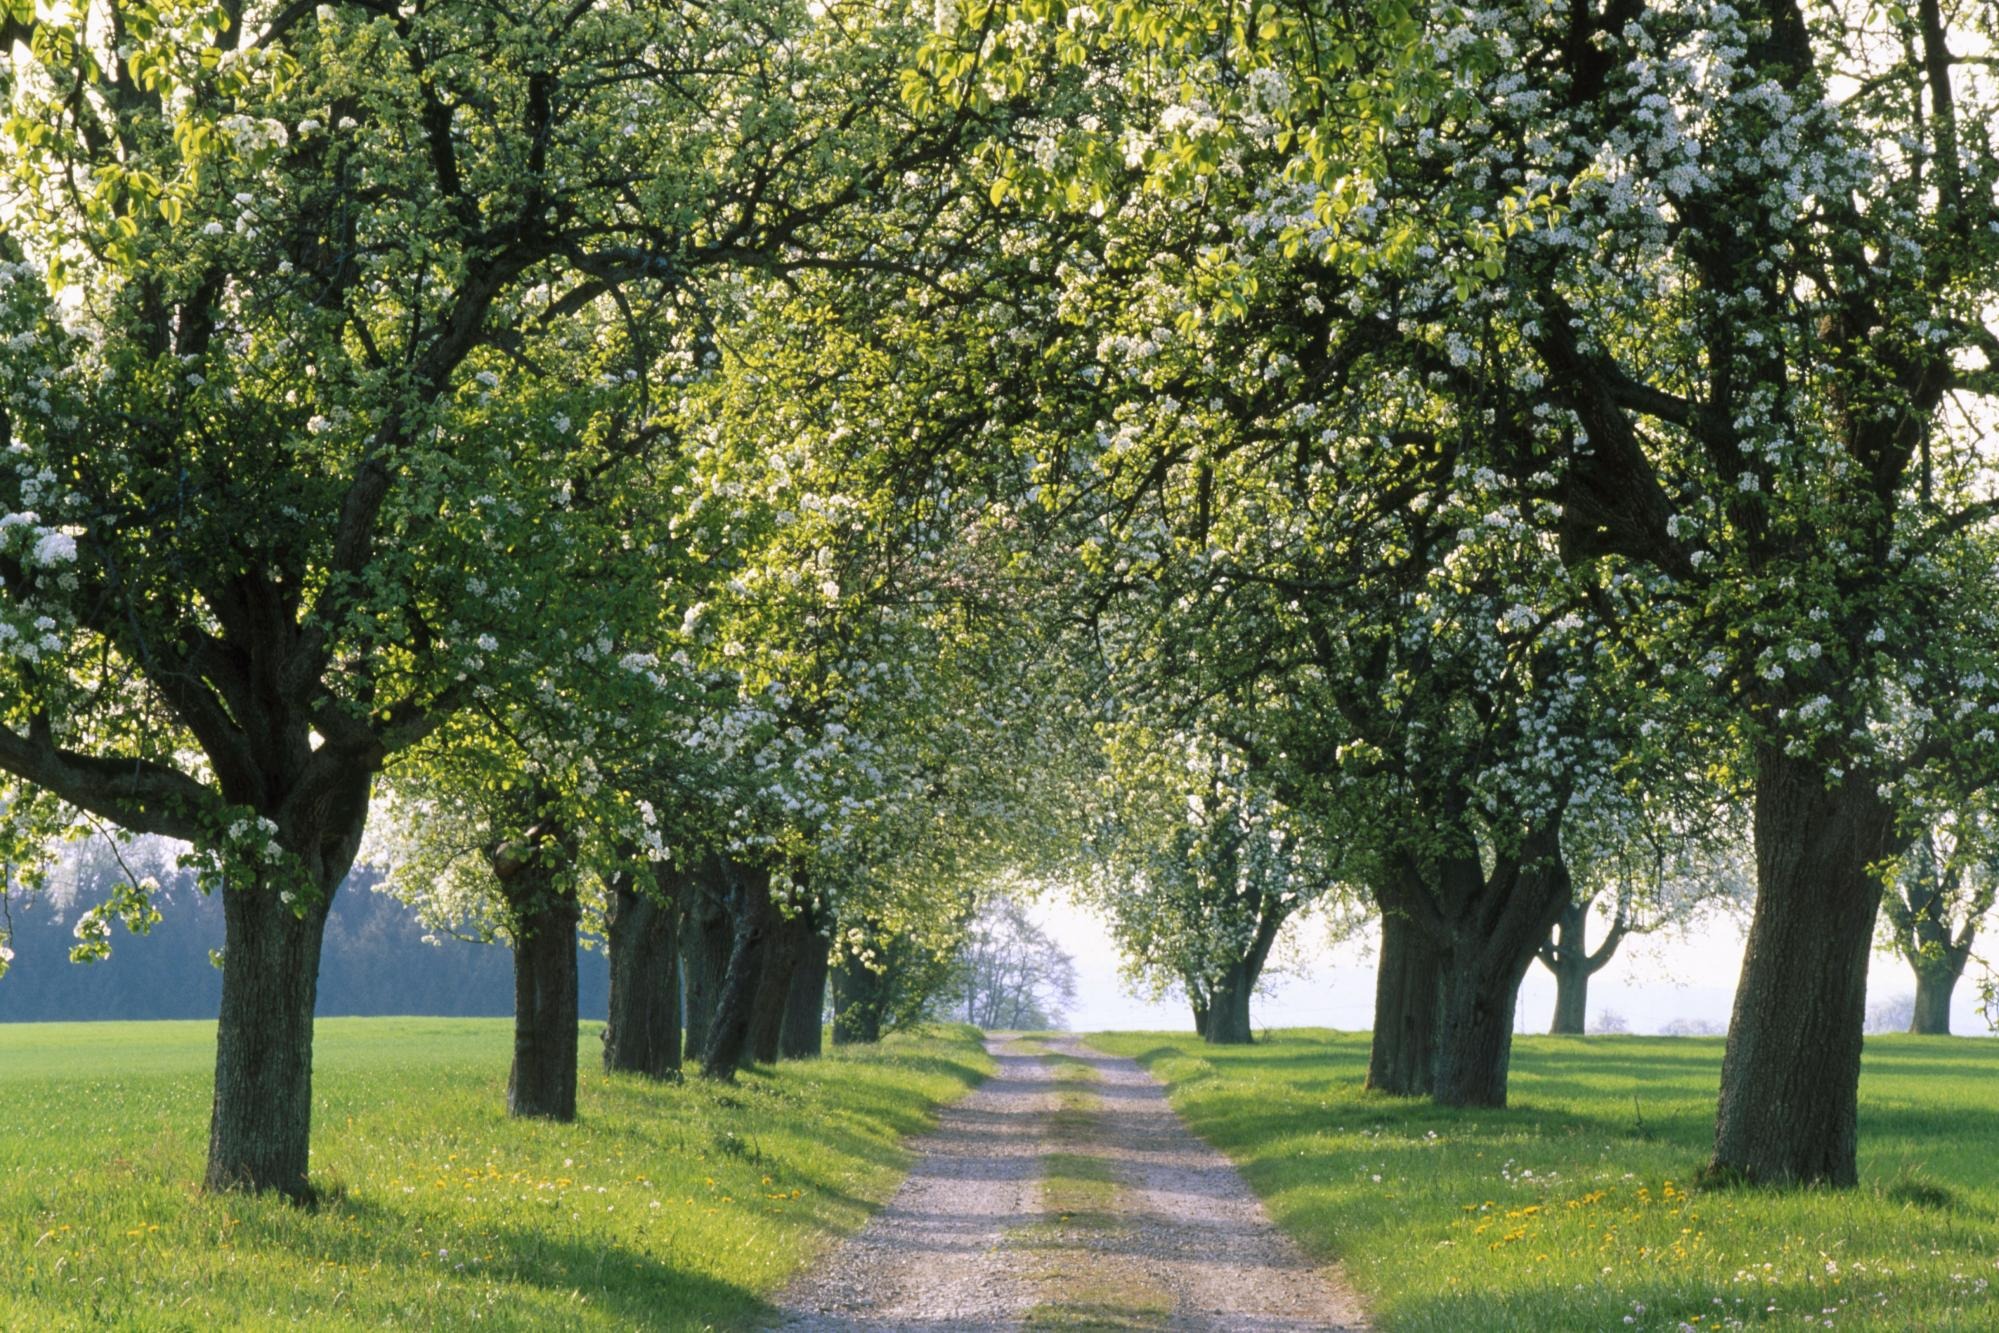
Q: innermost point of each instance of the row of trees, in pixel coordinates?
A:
(747, 476)
(1520, 431)
(494, 403)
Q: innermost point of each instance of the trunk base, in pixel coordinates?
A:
(643, 1033)
(542, 1081)
(729, 1027)
(804, 1031)
(1932, 1013)
(260, 1126)
(1403, 1057)
(1790, 1080)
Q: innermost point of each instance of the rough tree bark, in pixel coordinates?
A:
(1492, 925)
(859, 993)
(804, 1032)
(260, 1122)
(1402, 1060)
(786, 946)
(1228, 1008)
(704, 954)
(642, 934)
(542, 912)
(260, 1125)
(749, 908)
(1227, 996)
(1567, 954)
(1790, 1079)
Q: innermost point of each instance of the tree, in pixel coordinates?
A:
(888, 749)
(1198, 870)
(1740, 261)
(1307, 529)
(1008, 973)
(642, 934)
(1663, 880)
(492, 848)
(1933, 908)
(290, 293)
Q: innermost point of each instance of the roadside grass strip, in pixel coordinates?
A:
(1574, 1208)
(664, 1206)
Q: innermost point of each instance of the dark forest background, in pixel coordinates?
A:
(376, 962)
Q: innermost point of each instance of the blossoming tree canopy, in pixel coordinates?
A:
(1742, 260)
(289, 294)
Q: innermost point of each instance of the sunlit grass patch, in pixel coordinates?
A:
(670, 1207)
(1575, 1209)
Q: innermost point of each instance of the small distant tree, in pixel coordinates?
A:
(1199, 869)
(1609, 1021)
(1009, 972)
(1932, 910)
(1693, 1027)
(1895, 1014)
(1657, 879)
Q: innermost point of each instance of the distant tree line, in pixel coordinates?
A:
(377, 961)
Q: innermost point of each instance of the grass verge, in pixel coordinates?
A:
(1572, 1209)
(663, 1207)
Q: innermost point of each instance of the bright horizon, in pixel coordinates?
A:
(1652, 980)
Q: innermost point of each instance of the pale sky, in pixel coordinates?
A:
(1651, 981)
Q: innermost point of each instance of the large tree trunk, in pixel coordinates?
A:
(1791, 1075)
(1936, 981)
(1568, 958)
(1571, 1000)
(704, 957)
(781, 954)
(1475, 1008)
(804, 1032)
(1228, 1008)
(1403, 1058)
(1934, 986)
(260, 1124)
(1495, 924)
(260, 1127)
(642, 932)
(858, 996)
(729, 1027)
(543, 916)
(1200, 1020)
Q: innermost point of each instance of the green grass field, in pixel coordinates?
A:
(661, 1207)
(1572, 1209)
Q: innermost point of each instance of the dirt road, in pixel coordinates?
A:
(1065, 1193)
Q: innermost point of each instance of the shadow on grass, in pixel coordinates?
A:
(638, 1289)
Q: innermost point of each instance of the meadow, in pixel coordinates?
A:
(663, 1207)
(1575, 1208)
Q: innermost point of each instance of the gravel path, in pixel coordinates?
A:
(966, 1242)
(1196, 1230)
(936, 1256)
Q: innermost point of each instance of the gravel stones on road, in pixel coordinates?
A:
(951, 1252)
